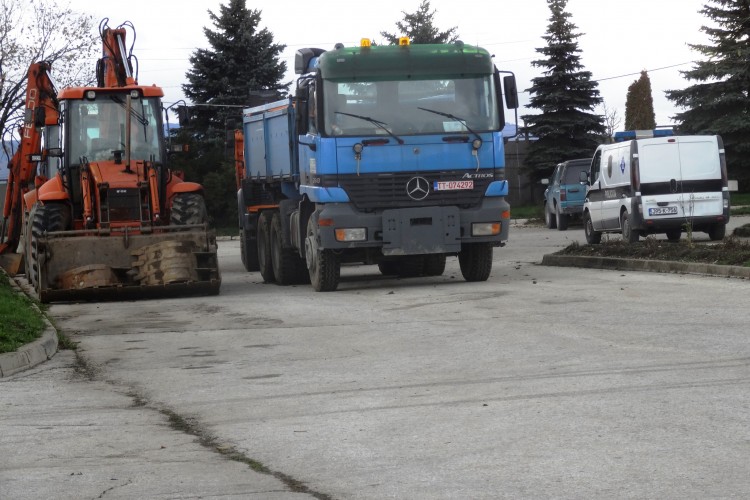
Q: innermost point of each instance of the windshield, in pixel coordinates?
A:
(97, 128)
(410, 107)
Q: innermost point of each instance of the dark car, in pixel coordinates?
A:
(565, 194)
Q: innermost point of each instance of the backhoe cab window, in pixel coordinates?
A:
(410, 107)
(97, 129)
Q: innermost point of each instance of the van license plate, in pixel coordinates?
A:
(662, 211)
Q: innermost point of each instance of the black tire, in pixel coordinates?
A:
(263, 240)
(674, 234)
(434, 264)
(562, 220)
(410, 266)
(249, 251)
(717, 232)
(188, 209)
(288, 266)
(323, 266)
(549, 220)
(388, 267)
(626, 224)
(43, 218)
(592, 237)
(475, 260)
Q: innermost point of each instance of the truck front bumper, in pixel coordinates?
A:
(415, 230)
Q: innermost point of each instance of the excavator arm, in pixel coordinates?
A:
(41, 108)
(114, 68)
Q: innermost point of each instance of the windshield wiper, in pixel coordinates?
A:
(462, 121)
(375, 122)
(138, 117)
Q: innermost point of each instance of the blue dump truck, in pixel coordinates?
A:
(387, 155)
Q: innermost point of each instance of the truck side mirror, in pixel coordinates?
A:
(545, 182)
(511, 92)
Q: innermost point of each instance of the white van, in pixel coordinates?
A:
(657, 185)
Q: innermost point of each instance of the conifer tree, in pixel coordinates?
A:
(420, 28)
(242, 68)
(719, 103)
(639, 105)
(566, 127)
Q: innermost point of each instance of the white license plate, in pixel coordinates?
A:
(452, 185)
(662, 211)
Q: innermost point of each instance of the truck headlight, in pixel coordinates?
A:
(486, 228)
(351, 234)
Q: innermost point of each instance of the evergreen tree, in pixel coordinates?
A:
(720, 102)
(566, 128)
(639, 105)
(419, 28)
(242, 68)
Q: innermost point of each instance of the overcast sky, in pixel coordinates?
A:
(618, 39)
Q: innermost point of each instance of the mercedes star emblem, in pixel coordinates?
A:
(418, 188)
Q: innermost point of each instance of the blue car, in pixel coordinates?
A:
(564, 196)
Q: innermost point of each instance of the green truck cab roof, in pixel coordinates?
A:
(396, 62)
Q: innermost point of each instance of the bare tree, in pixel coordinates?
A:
(41, 30)
(612, 120)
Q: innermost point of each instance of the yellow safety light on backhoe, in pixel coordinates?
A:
(404, 40)
(365, 42)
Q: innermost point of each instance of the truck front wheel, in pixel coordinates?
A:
(322, 265)
(475, 260)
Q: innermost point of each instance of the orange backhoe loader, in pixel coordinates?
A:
(112, 221)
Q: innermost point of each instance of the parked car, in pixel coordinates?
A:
(565, 193)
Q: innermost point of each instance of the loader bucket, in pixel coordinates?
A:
(84, 265)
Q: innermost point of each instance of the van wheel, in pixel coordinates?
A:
(592, 237)
(674, 234)
(549, 219)
(628, 234)
(562, 220)
(717, 232)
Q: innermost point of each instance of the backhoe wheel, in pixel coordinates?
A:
(288, 266)
(265, 265)
(188, 209)
(592, 237)
(249, 251)
(322, 265)
(434, 264)
(43, 218)
(475, 260)
(629, 235)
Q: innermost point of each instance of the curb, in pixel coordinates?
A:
(33, 353)
(659, 266)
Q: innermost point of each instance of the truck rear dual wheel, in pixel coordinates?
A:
(288, 266)
(249, 251)
(265, 265)
(323, 265)
(475, 260)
